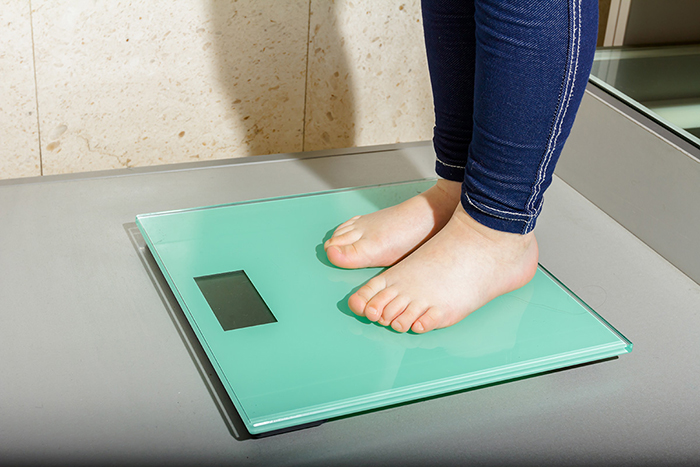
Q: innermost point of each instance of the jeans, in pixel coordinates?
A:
(507, 79)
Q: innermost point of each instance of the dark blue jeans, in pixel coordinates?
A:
(507, 79)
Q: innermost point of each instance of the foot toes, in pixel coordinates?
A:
(348, 222)
(375, 306)
(405, 320)
(343, 255)
(343, 229)
(430, 320)
(357, 304)
(393, 309)
(346, 238)
(358, 301)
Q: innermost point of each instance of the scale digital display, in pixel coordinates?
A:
(252, 279)
(234, 300)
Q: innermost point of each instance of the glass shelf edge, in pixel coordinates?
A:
(646, 111)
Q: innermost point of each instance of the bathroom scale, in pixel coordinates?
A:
(271, 314)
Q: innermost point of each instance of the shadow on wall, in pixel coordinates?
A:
(281, 98)
(330, 102)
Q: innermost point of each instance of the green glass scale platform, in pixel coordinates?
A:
(271, 314)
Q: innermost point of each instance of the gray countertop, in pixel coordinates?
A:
(98, 364)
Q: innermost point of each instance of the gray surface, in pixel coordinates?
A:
(648, 181)
(97, 365)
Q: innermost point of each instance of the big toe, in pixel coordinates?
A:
(347, 256)
(358, 301)
(342, 255)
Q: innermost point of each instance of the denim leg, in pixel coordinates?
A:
(451, 47)
(533, 59)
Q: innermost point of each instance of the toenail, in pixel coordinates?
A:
(371, 313)
(418, 327)
(396, 326)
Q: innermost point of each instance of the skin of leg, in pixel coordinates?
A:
(384, 237)
(468, 263)
(458, 270)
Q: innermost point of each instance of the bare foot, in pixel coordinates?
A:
(384, 237)
(461, 268)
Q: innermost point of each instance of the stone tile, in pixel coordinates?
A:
(368, 77)
(19, 147)
(137, 83)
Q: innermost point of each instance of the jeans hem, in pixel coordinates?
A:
(495, 221)
(453, 173)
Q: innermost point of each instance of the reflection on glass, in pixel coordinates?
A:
(662, 81)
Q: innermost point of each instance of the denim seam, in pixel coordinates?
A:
(498, 217)
(564, 106)
(485, 209)
(450, 165)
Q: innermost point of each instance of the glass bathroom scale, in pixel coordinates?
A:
(271, 314)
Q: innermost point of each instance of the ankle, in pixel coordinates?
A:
(451, 190)
(490, 234)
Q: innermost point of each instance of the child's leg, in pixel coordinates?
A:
(385, 237)
(533, 59)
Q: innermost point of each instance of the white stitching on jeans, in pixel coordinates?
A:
(485, 211)
(559, 120)
(568, 90)
(494, 215)
(450, 165)
(562, 113)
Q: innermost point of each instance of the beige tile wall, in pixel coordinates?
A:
(19, 136)
(368, 76)
(145, 82)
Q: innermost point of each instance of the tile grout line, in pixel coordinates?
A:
(36, 90)
(306, 80)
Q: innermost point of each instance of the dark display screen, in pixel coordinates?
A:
(234, 300)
